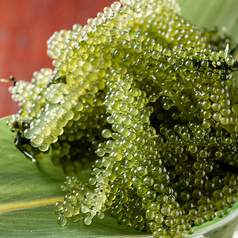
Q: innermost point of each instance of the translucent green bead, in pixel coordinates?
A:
(165, 210)
(100, 215)
(235, 108)
(209, 216)
(68, 211)
(106, 133)
(72, 199)
(87, 221)
(37, 139)
(219, 214)
(44, 147)
(166, 52)
(231, 199)
(28, 134)
(230, 61)
(61, 221)
(214, 56)
(58, 206)
(141, 171)
(84, 209)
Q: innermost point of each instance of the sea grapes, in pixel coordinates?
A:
(149, 101)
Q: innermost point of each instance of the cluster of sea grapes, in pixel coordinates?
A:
(151, 101)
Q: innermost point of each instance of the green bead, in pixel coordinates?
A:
(61, 221)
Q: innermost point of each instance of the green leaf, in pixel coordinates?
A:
(205, 13)
(28, 192)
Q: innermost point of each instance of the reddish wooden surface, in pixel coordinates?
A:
(25, 26)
